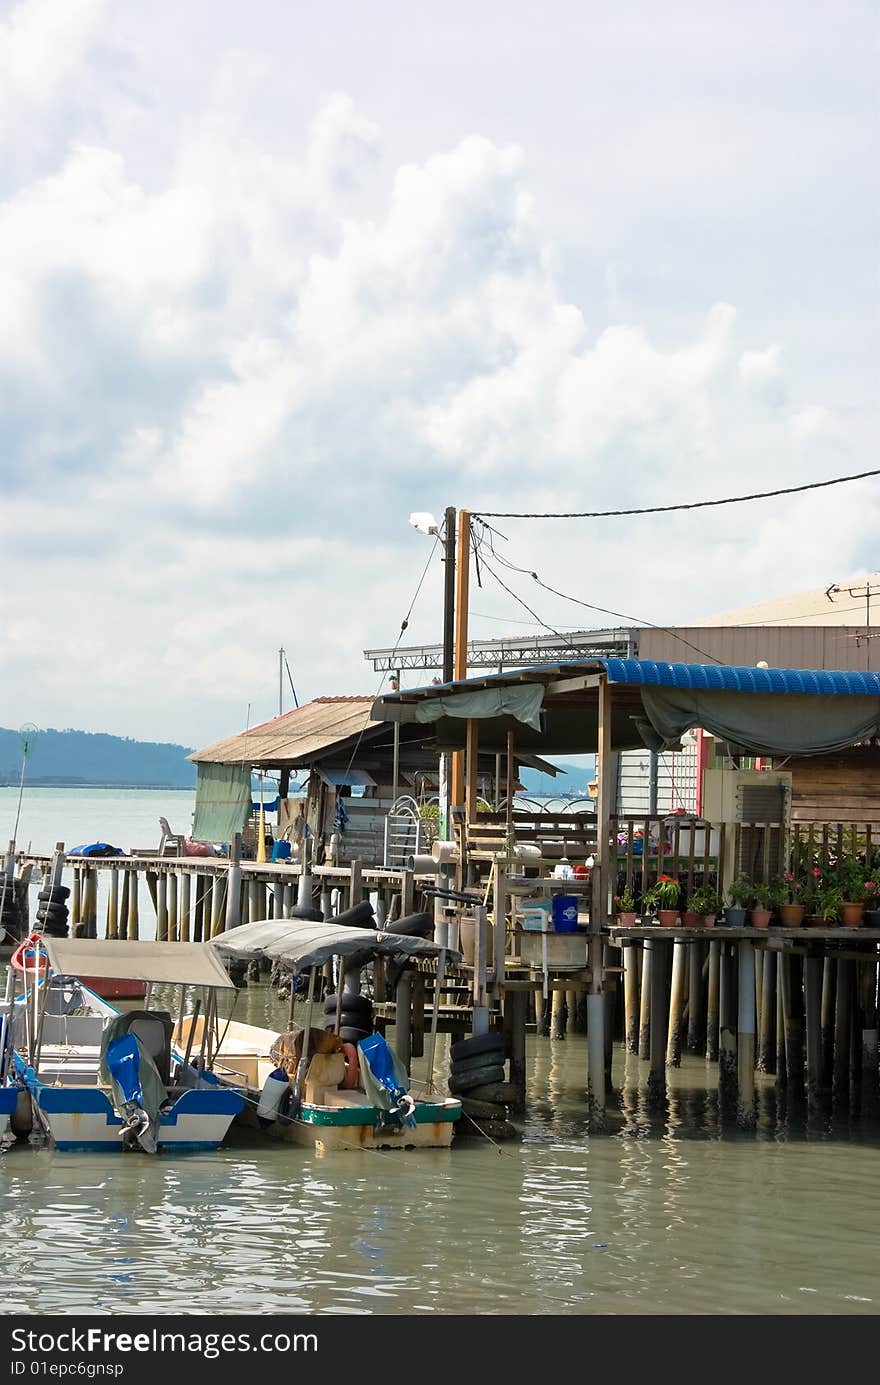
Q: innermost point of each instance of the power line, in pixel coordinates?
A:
(685, 505)
(590, 606)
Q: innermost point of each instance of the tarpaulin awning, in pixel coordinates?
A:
(522, 701)
(223, 801)
(299, 944)
(178, 964)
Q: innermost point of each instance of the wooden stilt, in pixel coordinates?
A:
(162, 908)
(781, 1064)
(727, 1066)
(571, 999)
(842, 1022)
(829, 985)
(696, 1031)
(645, 1003)
(792, 1009)
(767, 1020)
(631, 997)
(712, 997)
(76, 903)
(870, 1093)
(172, 907)
(656, 1094)
(676, 1001)
(518, 1001)
(201, 890)
(557, 1015)
(746, 1116)
(122, 925)
(112, 929)
(813, 1007)
(185, 906)
(133, 921)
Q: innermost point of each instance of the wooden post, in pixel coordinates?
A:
(162, 907)
(133, 922)
(480, 1024)
(631, 997)
(112, 929)
(91, 913)
(792, 1009)
(218, 900)
(781, 1064)
(462, 597)
(696, 1035)
(510, 781)
(518, 1001)
(842, 1022)
(656, 1094)
(645, 1005)
(726, 1027)
(356, 884)
(869, 1037)
(767, 1021)
(712, 999)
(233, 884)
(172, 907)
(557, 1014)
(829, 980)
(571, 1000)
(813, 997)
(499, 926)
(185, 897)
(676, 1003)
(598, 912)
(403, 1020)
(199, 931)
(122, 924)
(76, 902)
(151, 886)
(746, 1116)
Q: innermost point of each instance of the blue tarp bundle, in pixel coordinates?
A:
(96, 849)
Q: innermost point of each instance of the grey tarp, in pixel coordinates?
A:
(762, 723)
(179, 964)
(223, 801)
(299, 944)
(523, 701)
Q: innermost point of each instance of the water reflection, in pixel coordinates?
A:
(675, 1211)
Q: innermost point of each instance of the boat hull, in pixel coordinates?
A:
(82, 1118)
(8, 1099)
(333, 1127)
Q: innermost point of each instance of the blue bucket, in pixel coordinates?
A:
(565, 913)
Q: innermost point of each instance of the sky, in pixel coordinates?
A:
(273, 277)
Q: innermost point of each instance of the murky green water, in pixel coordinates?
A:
(673, 1212)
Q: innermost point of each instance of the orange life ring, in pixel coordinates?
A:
(17, 960)
(352, 1068)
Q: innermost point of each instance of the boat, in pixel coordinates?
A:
(101, 1079)
(311, 1087)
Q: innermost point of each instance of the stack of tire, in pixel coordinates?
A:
(477, 1078)
(355, 1019)
(52, 915)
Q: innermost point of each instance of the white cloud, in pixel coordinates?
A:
(233, 373)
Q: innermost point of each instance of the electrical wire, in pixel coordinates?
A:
(685, 505)
(588, 605)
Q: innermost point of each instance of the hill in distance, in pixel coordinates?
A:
(572, 784)
(79, 759)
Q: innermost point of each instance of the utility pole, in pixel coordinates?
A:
(462, 595)
(280, 682)
(866, 591)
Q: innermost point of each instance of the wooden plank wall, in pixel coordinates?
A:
(842, 787)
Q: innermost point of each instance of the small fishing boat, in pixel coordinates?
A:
(99, 1079)
(317, 1088)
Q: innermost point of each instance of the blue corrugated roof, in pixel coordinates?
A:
(731, 678)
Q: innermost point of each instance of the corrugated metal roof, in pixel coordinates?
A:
(296, 736)
(731, 678)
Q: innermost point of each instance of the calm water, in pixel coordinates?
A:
(670, 1215)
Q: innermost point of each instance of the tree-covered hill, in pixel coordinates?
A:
(83, 757)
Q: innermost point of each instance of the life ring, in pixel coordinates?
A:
(352, 1068)
(17, 960)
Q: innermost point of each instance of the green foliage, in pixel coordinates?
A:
(740, 892)
(665, 894)
(625, 902)
(705, 900)
(829, 902)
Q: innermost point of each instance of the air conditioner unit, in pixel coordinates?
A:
(755, 805)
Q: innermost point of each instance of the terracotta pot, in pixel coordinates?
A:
(626, 920)
(668, 918)
(791, 915)
(853, 915)
(707, 920)
(759, 918)
(817, 921)
(690, 919)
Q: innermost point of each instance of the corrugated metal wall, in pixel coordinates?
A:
(801, 646)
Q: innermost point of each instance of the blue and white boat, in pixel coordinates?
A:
(103, 1080)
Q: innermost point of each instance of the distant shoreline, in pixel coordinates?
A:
(89, 784)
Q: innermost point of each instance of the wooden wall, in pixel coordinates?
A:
(842, 787)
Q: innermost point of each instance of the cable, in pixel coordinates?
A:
(403, 625)
(686, 505)
(590, 606)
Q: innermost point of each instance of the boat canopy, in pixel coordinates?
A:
(299, 944)
(180, 964)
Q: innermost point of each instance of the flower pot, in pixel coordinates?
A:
(669, 918)
(872, 918)
(734, 916)
(626, 920)
(759, 918)
(690, 919)
(853, 915)
(816, 921)
(791, 915)
(706, 920)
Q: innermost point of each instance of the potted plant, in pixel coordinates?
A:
(759, 914)
(626, 909)
(706, 904)
(664, 897)
(872, 903)
(789, 901)
(739, 892)
(851, 877)
(829, 902)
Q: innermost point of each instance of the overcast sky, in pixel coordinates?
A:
(273, 276)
